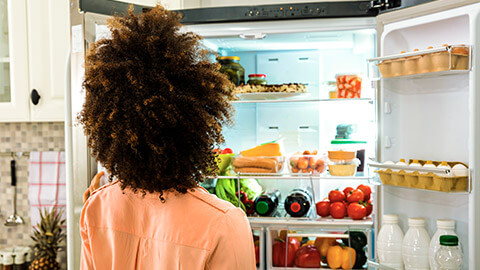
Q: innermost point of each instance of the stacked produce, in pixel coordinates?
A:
(308, 253)
(354, 203)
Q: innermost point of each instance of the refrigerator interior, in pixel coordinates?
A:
(312, 58)
(427, 118)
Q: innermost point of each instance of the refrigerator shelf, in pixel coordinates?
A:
(369, 100)
(310, 222)
(292, 176)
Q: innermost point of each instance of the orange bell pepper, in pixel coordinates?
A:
(323, 244)
(348, 257)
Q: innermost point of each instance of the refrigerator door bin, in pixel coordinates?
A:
(449, 59)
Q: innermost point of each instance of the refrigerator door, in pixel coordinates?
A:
(431, 116)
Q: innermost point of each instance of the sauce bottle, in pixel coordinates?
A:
(267, 203)
(298, 202)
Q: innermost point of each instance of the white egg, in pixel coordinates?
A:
(459, 170)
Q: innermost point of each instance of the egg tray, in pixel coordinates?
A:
(425, 63)
(429, 181)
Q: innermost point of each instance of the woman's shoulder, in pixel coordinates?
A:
(211, 200)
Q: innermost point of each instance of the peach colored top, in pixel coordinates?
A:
(189, 231)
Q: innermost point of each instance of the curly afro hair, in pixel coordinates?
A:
(155, 104)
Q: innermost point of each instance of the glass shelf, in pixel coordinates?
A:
(292, 176)
(311, 222)
(369, 100)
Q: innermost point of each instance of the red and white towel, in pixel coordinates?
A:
(46, 182)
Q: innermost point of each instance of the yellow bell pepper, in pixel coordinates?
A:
(323, 244)
(283, 235)
(341, 257)
(309, 242)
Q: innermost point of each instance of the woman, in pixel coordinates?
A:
(154, 110)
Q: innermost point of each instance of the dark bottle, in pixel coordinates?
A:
(298, 202)
(267, 203)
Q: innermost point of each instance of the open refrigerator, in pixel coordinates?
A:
(418, 101)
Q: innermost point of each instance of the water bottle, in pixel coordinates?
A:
(449, 256)
(415, 245)
(299, 202)
(389, 243)
(444, 227)
(267, 203)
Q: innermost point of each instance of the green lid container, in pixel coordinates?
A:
(449, 240)
(346, 141)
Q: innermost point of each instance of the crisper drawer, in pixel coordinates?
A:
(259, 243)
(317, 248)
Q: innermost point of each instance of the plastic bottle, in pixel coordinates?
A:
(415, 245)
(449, 256)
(444, 227)
(298, 202)
(389, 243)
(267, 203)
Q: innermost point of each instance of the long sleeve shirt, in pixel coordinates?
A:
(196, 230)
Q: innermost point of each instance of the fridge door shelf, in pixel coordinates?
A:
(446, 60)
(422, 178)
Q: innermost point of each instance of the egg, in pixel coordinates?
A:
(400, 163)
(429, 164)
(414, 164)
(459, 170)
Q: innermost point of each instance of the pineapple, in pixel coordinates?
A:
(47, 238)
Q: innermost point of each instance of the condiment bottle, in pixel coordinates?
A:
(449, 256)
(444, 227)
(267, 203)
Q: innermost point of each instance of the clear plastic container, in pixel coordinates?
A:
(252, 165)
(343, 167)
(349, 85)
(315, 164)
(352, 146)
(444, 227)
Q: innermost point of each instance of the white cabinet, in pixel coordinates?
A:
(38, 43)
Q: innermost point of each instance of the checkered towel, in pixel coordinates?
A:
(46, 182)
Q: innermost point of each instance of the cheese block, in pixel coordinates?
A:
(265, 150)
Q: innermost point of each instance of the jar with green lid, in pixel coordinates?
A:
(231, 67)
(257, 79)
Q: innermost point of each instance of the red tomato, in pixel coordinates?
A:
(346, 205)
(347, 191)
(369, 207)
(356, 211)
(355, 196)
(366, 191)
(308, 256)
(280, 254)
(227, 151)
(257, 255)
(323, 208)
(338, 210)
(336, 196)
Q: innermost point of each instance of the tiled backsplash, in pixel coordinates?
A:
(22, 137)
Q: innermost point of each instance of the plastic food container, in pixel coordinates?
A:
(315, 164)
(350, 146)
(343, 168)
(349, 85)
(257, 79)
(261, 164)
(231, 67)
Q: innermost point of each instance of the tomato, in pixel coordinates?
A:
(366, 191)
(323, 208)
(336, 196)
(280, 253)
(355, 196)
(356, 211)
(369, 207)
(347, 191)
(338, 210)
(308, 256)
(227, 151)
(257, 255)
(346, 205)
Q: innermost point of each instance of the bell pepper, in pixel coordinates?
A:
(323, 244)
(283, 254)
(308, 257)
(283, 235)
(341, 257)
(309, 243)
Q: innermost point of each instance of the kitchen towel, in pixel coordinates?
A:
(46, 183)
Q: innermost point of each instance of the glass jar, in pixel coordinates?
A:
(449, 256)
(231, 67)
(257, 79)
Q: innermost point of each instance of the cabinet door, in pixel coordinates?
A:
(48, 45)
(13, 61)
